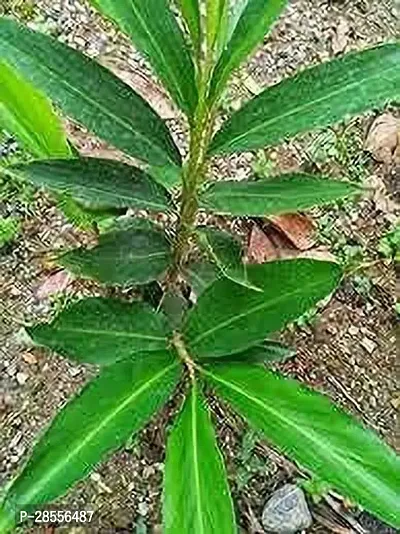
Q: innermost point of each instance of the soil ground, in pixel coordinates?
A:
(346, 349)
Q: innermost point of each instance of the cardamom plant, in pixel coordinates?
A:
(218, 342)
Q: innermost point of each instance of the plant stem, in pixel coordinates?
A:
(194, 173)
(183, 354)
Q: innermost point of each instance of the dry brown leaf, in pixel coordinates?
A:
(269, 244)
(383, 138)
(299, 229)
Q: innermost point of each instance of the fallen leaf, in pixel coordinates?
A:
(383, 138)
(267, 245)
(55, 283)
(299, 229)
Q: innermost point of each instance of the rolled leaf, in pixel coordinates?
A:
(314, 98)
(103, 331)
(26, 113)
(267, 352)
(253, 20)
(155, 32)
(196, 492)
(229, 318)
(309, 429)
(97, 183)
(191, 13)
(284, 194)
(88, 93)
(96, 422)
(216, 24)
(135, 254)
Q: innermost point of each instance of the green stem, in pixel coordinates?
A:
(194, 173)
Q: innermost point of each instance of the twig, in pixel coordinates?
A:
(353, 401)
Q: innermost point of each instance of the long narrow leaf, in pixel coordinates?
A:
(99, 420)
(136, 253)
(267, 352)
(314, 98)
(26, 113)
(155, 32)
(256, 17)
(97, 183)
(196, 492)
(229, 318)
(309, 429)
(103, 331)
(89, 93)
(287, 193)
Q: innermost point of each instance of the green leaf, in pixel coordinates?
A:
(155, 32)
(309, 429)
(99, 420)
(89, 93)
(103, 331)
(268, 352)
(256, 18)
(168, 176)
(196, 492)
(200, 275)
(174, 305)
(97, 183)
(191, 13)
(229, 318)
(9, 230)
(284, 194)
(314, 98)
(226, 252)
(135, 253)
(27, 114)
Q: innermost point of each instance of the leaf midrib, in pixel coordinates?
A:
(265, 304)
(299, 109)
(30, 497)
(62, 185)
(215, 195)
(196, 462)
(109, 333)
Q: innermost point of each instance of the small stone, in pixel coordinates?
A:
(143, 509)
(286, 511)
(21, 378)
(353, 330)
(368, 345)
(74, 371)
(95, 477)
(29, 358)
